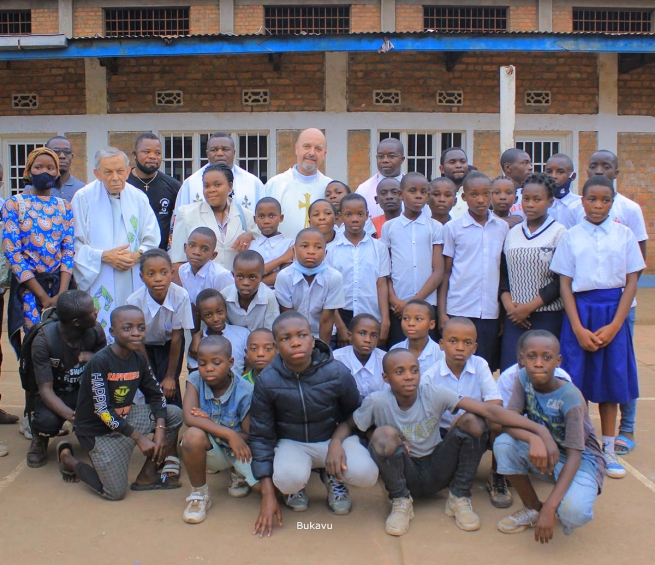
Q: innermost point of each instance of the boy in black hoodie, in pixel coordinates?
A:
(299, 401)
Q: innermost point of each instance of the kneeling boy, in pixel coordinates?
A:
(408, 449)
(558, 407)
(216, 405)
(108, 425)
(299, 400)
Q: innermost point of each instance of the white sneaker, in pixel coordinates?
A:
(402, 512)
(613, 469)
(238, 486)
(519, 521)
(24, 428)
(196, 510)
(460, 508)
(3, 450)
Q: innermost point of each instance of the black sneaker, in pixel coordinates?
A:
(37, 454)
(497, 487)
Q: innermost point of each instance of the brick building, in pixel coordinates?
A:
(101, 71)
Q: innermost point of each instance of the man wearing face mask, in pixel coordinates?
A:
(66, 185)
(160, 189)
(247, 188)
(114, 226)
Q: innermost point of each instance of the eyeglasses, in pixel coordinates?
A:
(382, 156)
(66, 152)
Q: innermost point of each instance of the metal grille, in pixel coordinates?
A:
(452, 18)
(253, 154)
(15, 22)
(146, 21)
(283, 20)
(635, 21)
(539, 151)
(421, 148)
(18, 153)
(178, 155)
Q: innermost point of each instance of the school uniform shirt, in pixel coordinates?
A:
(597, 257)
(369, 228)
(192, 216)
(476, 381)
(626, 212)
(227, 410)
(360, 266)
(418, 425)
(107, 391)
(460, 208)
(261, 312)
(295, 192)
(368, 189)
(368, 377)
(476, 252)
(508, 377)
(565, 210)
(429, 357)
(162, 192)
(565, 414)
(527, 259)
(410, 244)
(238, 337)
(271, 248)
(210, 275)
(247, 188)
(325, 293)
(161, 319)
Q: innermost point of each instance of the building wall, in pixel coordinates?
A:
(204, 19)
(124, 140)
(523, 18)
(364, 18)
(87, 21)
(409, 17)
(636, 92)
(571, 78)
(248, 19)
(562, 18)
(45, 20)
(359, 157)
(587, 146)
(486, 152)
(79, 165)
(215, 84)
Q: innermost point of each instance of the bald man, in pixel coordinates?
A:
(303, 183)
(390, 156)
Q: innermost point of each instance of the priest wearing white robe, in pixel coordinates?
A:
(296, 188)
(114, 226)
(248, 189)
(390, 156)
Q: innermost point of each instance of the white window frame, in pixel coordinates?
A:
(563, 138)
(198, 159)
(437, 148)
(7, 142)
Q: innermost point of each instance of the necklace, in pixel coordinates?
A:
(146, 184)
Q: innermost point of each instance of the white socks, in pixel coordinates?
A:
(203, 490)
(608, 444)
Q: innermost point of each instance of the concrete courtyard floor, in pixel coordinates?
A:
(43, 520)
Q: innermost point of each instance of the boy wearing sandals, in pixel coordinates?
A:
(107, 423)
(216, 410)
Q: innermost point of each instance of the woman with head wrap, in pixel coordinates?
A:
(38, 243)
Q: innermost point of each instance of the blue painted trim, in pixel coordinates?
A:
(646, 281)
(240, 45)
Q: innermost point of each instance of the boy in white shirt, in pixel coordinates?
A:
(473, 245)
(363, 358)
(276, 249)
(415, 245)
(567, 204)
(167, 311)
(418, 321)
(310, 286)
(250, 304)
(364, 264)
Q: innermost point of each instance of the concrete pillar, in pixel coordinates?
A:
(545, 15)
(336, 162)
(388, 15)
(608, 100)
(336, 71)
(66, 17)
(507, 107)
(96, 86)
(227, 16)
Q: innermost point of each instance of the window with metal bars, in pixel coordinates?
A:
(17, 152)
(15, 22)
(422, 149)
(613, 21)
(454, 18)
(130, 22)
(540, 150)
(286, 20)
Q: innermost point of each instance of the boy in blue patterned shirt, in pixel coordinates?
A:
(216, 410)
(559, 406)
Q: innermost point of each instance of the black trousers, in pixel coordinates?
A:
(159, 355)
(44, 421)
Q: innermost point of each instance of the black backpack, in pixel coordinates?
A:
(25, 365)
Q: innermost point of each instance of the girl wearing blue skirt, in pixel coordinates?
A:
(599, 262)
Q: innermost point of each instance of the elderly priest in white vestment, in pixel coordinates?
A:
(114, 226)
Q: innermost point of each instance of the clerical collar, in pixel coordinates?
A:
(304, 178)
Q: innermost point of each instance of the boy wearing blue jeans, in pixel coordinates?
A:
(559, 406)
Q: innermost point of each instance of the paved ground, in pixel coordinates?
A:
(43, 520)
